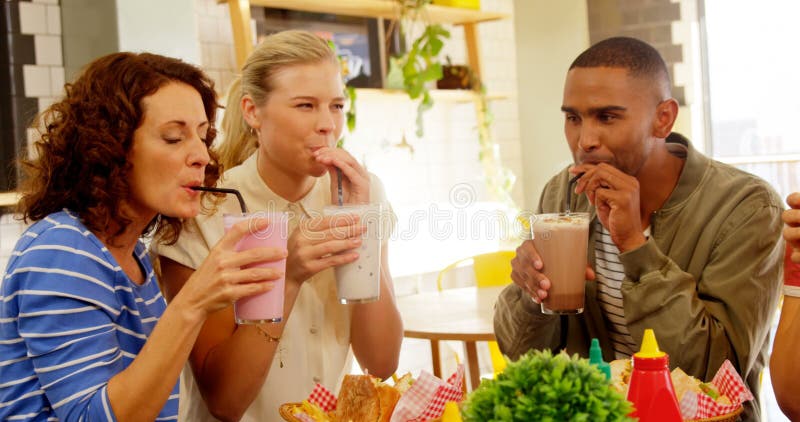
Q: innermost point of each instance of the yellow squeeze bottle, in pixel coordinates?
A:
(451, 412)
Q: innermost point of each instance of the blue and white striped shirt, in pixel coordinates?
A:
(70, 319)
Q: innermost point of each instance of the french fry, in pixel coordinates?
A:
(313, 411)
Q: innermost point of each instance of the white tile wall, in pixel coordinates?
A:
(54, 20)
(216, 42)
(56, 81)
(37, 80)
(48, 50)
(32, 18)
(43, 81)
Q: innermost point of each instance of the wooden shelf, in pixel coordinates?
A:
(8, 199)
(452, 95)
(243, 38)
(381, 9)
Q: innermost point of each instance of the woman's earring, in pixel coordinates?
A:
(252, 131)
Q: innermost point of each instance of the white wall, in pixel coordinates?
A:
(549, 34)
(157, 26)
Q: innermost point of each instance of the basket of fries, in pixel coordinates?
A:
(364, 398)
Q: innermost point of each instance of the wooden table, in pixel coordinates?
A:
(463, 314)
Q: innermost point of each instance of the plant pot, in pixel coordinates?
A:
(455, 77)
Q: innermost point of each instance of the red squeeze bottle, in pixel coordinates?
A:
(651, 390)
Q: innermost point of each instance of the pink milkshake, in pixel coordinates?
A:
(268, 306)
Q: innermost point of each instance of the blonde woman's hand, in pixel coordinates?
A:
(222, 277)
(355, 178)
(320, 243)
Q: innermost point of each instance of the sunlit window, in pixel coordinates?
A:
(754, 87)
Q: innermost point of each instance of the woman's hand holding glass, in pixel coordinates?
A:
(318, 243)
(223, 277)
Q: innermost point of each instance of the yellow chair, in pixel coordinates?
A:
(489, 269)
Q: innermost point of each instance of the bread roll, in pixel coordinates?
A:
(682, 383)
(358, 400)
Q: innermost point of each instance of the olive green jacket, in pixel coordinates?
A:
(707, 280)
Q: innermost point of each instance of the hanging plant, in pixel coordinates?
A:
(499, 179)
(420, 66)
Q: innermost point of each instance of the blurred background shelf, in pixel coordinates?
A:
(8, 199)
(381, 9)
(387, 9)
(451, 95)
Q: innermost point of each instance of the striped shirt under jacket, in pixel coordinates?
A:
(70, 319)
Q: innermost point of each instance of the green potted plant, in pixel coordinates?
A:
(544, 387)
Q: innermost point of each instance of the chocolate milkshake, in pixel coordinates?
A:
(561, 240)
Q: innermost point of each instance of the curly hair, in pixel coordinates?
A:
(81, 157)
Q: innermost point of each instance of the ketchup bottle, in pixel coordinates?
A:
(651, 390)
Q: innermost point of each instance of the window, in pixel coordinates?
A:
(754, 88)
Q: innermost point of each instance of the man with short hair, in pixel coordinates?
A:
(678, 242)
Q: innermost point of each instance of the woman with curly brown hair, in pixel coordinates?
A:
(84, 331)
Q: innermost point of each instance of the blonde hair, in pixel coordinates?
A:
(277, 51)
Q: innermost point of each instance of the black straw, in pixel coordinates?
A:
(569, 189)
(224, 190)
(339, 183)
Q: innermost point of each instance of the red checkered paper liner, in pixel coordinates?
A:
(323, 398)
(729, 383)
(427, 396)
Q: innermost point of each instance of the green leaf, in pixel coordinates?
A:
(415, 89)
(436, 45)
(351, 111)
(432, 73)
(394, 78)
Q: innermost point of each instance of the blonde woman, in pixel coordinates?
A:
(282, 121)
